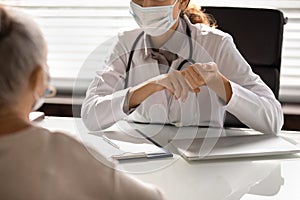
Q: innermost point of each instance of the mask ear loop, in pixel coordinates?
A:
(50, 91)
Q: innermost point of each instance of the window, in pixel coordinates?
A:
(75, 28)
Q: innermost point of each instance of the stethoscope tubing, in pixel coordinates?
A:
(189, 60)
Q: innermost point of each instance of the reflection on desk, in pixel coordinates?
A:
(264, 178)
(218, 180)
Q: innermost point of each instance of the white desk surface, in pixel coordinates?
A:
(260, 178)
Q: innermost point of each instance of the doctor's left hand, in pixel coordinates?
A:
(200, 74)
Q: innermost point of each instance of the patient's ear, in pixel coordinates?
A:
(36, 81)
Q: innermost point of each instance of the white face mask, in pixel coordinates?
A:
(154, 21)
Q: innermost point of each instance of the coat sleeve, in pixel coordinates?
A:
(106, 95)
(252, 102)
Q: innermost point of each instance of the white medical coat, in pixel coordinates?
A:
(252, 102)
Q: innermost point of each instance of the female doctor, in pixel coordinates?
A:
(178, 69)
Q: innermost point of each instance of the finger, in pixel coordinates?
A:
(169, 86)
(198, 77)
(192, 79)
(176, 84)
(210, 67)
(185, 88)
(196, 72)
(198, 67)
(170, 92)
(197, 90)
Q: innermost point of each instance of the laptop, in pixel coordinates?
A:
(234, 146)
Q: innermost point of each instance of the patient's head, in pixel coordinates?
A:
(23, 55)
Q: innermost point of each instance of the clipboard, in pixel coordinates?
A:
(234, 147)
(133, 145)
(36, 116)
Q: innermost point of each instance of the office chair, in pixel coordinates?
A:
(258, 35)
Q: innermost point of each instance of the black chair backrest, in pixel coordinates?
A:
(258, 34)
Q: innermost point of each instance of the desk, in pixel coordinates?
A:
(264, 178)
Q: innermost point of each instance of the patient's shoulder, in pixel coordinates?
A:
(73, 144)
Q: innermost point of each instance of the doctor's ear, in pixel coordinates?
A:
(183, 4)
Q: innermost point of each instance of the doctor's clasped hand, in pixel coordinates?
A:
(200, 74)
(179, 83)
(174, 82)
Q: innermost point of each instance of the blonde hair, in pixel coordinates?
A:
(22, 50)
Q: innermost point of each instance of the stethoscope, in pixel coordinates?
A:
(189, 60)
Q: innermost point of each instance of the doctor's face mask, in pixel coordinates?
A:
(155, 20)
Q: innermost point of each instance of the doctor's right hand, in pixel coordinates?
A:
(174, 82)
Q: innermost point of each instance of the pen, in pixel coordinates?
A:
(106, 139)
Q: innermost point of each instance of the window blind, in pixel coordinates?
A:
(74, 29)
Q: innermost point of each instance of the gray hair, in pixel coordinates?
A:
(22, 50)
